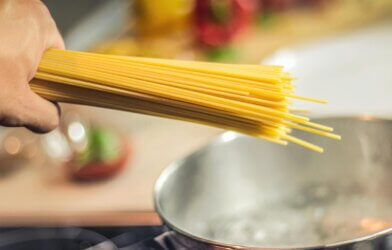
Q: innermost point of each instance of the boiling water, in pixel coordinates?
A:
(299, 221)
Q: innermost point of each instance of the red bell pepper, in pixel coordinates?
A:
(219, 21)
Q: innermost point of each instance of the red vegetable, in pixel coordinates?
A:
(211, 30)
(102, 170)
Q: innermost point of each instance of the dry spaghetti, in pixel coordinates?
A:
(251, 99)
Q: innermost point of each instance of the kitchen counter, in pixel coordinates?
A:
(156, 142)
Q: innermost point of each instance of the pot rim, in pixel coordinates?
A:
(222, 138)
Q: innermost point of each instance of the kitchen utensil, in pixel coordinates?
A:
(244, 193)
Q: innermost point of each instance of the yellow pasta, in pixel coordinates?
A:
(250, 99)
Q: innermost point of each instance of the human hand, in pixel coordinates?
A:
(26, 31)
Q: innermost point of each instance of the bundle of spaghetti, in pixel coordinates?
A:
(250, 99)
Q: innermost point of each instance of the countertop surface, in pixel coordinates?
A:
(155, 143)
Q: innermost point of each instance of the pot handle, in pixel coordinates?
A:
(164, 241)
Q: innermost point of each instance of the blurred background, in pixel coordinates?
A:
(99, 167)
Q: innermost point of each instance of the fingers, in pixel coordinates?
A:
(31, 111)
(46, 115)
(41, 115)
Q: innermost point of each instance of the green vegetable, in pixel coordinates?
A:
(267, 19)
(222, 54)
(221, 11)
(102, 146)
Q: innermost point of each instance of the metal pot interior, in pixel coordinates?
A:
(248, 192)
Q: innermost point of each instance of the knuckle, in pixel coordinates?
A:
(39, 5)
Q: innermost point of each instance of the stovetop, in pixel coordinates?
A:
(121, 238)
(86, 238)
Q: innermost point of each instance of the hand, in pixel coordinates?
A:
(26, 31)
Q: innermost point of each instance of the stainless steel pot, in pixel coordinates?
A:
(244, 193)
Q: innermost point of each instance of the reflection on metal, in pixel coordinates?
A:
(374, 224)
